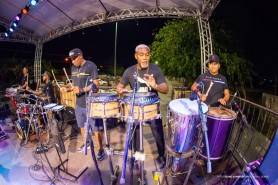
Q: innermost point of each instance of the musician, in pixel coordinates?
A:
(155, 82)
(219, 92)
(47, 90)
(84, 73)
(25, 79)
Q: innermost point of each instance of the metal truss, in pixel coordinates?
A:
(202, 15)
(156, 12)
(205, 42)
(37, 63)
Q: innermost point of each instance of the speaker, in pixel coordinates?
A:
(269, 165)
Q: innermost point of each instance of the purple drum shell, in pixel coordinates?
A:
(219, 124)
(104, 97)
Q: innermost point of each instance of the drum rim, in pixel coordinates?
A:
(231, 117)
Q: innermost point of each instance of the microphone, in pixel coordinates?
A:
(136, 83)
(194, 95)
(232, 100)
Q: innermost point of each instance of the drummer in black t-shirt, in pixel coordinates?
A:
(151, 79)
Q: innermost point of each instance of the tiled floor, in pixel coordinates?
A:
(21, 165)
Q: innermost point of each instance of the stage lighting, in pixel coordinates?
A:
(25, 10)
(34, 2)
(11, 29)
(15, 24)
(18, 17)
(6, 34)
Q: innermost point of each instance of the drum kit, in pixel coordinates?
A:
(34, 115)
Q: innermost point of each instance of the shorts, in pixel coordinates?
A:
(81, 118)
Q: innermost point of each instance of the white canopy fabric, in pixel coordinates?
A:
(53, 18)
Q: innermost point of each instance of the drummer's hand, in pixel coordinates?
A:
(222, 101)
(76, 89)
(124, 91)
(28, 89)
(150, 79)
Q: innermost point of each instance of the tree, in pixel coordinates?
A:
(176, 49)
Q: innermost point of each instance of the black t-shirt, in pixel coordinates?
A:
(48, 90)
(128, 77)
(217, 90)
(82, 77)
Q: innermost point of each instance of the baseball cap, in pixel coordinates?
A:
(214, 58)
(75, 53)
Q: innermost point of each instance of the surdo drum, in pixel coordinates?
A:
(104, 105)
(219, 124)
(146, 106)
(183, 118)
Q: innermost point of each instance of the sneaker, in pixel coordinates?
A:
(161, 161)
(82, 148)
(100, 155)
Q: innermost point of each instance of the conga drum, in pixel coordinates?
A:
(104, 105)
(146, 106)
(219, 124)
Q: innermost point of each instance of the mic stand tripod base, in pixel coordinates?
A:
(62, 168)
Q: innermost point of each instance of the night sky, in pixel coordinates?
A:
(253, 22)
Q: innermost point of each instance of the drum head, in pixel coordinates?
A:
(57, 108)
(141, 98)
(48, 106)
(187, 107)
(221, 112)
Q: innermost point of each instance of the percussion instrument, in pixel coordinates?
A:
(22, 127)
(183, 118)
(146, 106)
(25, 108)
(57, 108)
(104, 105)
(219, 124)
(49, 106)
(68, 98)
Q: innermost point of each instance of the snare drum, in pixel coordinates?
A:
(49, 106)
(104, 105)
(57, 108)
(219, 124)
(183, 117)
(146, 106)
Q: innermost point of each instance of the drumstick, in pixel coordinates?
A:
(67, 77)
(55, 79)
(27, 85)
(210, 85)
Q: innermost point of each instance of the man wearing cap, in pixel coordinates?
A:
(215, 88)
(84, 73)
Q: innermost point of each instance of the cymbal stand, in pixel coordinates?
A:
(88, 136)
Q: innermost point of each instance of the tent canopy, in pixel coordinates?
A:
(50, 19)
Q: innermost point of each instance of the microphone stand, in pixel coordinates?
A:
(243, 121)
(204, 129)
(130, 121)
(88, 136)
